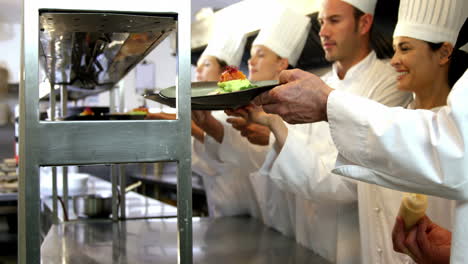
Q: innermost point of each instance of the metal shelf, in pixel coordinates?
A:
(72, 54)
(90, 52)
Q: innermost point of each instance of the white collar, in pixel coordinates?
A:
(356, 68)
(435, 109)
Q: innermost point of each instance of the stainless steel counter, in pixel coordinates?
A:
(223, 240)
(137, 206)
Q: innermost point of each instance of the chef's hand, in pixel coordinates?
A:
(251, 114)
(205, 121)
(202, 118)
(302, 98)
(426, 242)
(251, 124)
(255, 133)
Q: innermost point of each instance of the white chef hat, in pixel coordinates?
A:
(366, 6)
(284, 32)
(227, 46)
(434, 21)
(465, 47)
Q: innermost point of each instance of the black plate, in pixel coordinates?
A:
(105, 117)
(201, 100)
(172, 102)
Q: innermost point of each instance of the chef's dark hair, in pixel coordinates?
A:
(222, 64)
(357, 15)
(458, 62)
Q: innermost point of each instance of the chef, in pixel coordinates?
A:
(226, 195)
(304, 159)
(326, 204)
(277, 47)
(433, 161)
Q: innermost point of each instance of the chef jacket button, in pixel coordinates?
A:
(379, 250)
(377, 210)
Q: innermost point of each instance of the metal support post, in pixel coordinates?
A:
(114, 179)
(184, 172)
(63, 114)
(123, 184)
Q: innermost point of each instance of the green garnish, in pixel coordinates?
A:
(234, 86)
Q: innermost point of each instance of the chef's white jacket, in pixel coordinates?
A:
(225, 177)
(327, 217)
(409, 150)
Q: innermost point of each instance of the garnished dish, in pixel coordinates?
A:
(139, 111)
(87, 112)
(232, 80)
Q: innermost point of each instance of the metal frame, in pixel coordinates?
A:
(70, 143)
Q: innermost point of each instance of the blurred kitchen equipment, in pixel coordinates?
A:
(4, 108)
(4, 113)
(97, 205)
(4, 76)
(77, 182)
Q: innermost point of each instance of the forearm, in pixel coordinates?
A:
(197, 132)
(279, 130)
(214, 128)
(410, 150)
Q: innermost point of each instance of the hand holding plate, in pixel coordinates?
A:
(301, 98)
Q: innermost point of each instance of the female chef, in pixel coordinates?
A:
(276, 48)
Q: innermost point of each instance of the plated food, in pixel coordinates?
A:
(139, 111)
(232, 91)
(87, 112)
(232, 80)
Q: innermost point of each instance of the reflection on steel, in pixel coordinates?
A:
(75, 59)
(91, 51)
(221, 240)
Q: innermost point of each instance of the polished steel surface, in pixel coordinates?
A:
(183, 102)
(123, 190)
(114, 178)
(223, 240)
(103, 142)
(137, 206)
(29, 203)
(90, 51)
(68, 143)
(63, 113)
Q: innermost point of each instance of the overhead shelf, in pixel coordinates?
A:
(89, 52)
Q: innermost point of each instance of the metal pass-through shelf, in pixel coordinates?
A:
(85, 47)
(90, 52)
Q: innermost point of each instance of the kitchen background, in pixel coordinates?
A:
(162, 74)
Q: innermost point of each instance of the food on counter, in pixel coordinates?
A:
(8, 176)
(87, 112)
(10, 162)
(232, 80)
(413, 207)
(139, 111)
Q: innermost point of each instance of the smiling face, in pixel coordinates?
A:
(417, 65)
(264, 64)
(208, 69)
(338, 31)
